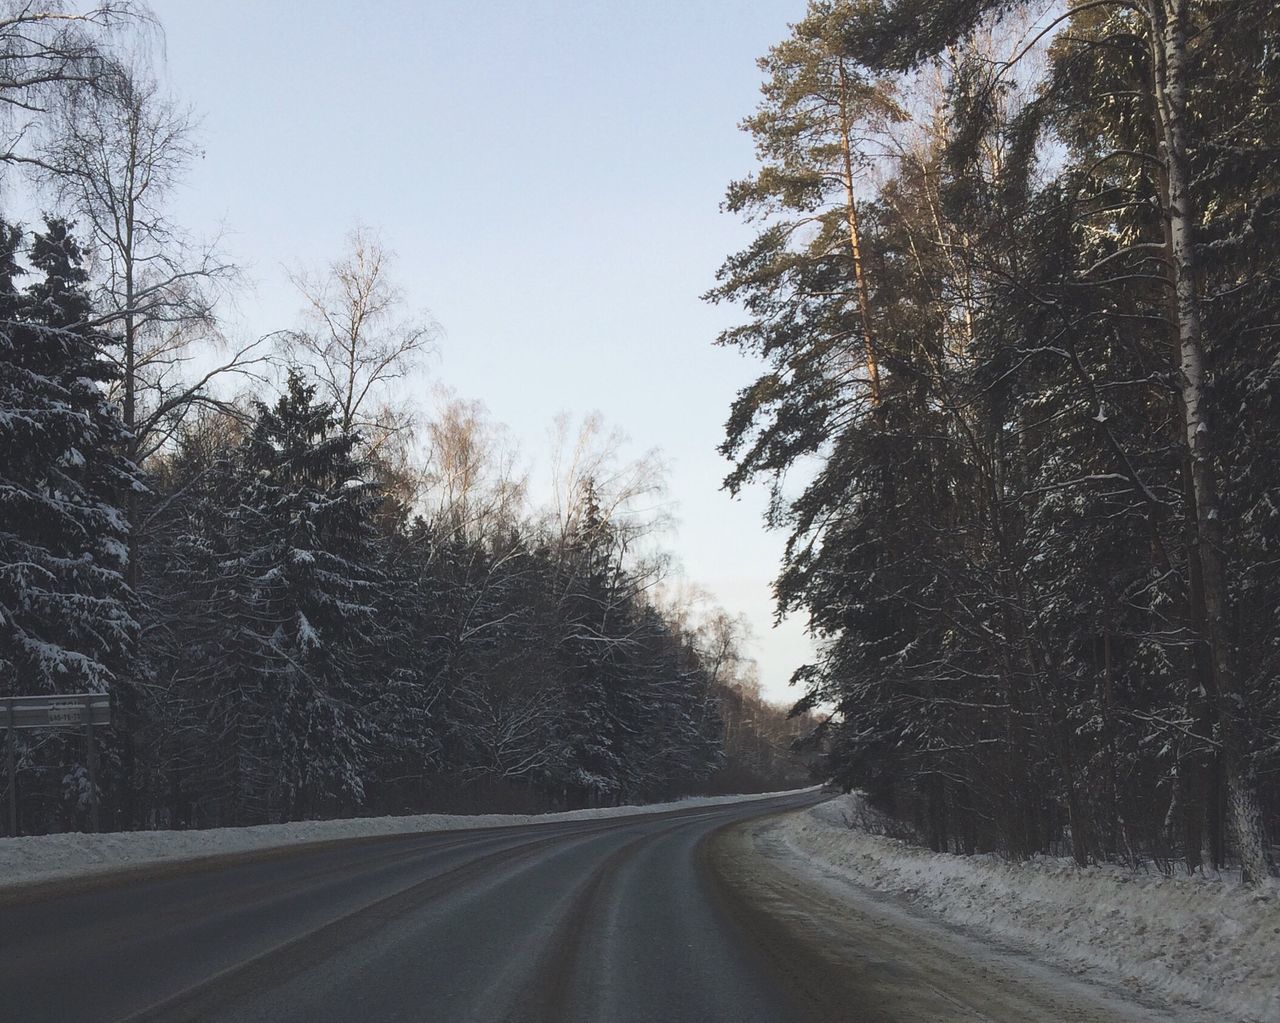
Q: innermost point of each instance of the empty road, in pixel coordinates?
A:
(661, 918)
(602, 920)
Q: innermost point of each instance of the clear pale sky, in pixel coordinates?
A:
(549, 173)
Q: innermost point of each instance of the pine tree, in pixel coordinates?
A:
(806, 277)
(1032, 566)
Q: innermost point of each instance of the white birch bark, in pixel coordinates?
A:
(1169, 45)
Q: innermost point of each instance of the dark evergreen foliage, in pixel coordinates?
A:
(290, 620)
(67, 619)
(66, 623)
(1043, 629)
(313, 654)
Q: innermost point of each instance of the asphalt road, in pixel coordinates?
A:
(607, 920)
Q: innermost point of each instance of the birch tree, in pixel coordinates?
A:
(115, 160)
(50, 53)
(359, 338)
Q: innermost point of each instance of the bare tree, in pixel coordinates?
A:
(721, 640)
(358, 338)
(116, 157)
(472, 480)
(1169, 28)
(49, 52)
(588, 468)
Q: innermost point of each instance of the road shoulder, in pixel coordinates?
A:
(886, 961)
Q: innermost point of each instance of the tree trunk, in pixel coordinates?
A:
(1111, 837)
(1169, 42)
(855, 244)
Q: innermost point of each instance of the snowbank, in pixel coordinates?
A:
(1203, 941)
(55, 857)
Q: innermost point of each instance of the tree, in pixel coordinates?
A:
(589, 472)
(67, 621)
(357, 340)
(1013, 559)
(115, 158)
(282, 566)
(812, 129)
(470, 480)
(48, 54)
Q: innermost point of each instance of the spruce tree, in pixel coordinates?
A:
(67, 620)
(288, 566)
(66, 623)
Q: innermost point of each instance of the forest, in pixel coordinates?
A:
(304, 596)
(1016, 278)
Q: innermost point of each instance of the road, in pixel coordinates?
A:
(692, 915)
(602, 920)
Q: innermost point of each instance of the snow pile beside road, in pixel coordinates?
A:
(56, 857)
(1202, 941)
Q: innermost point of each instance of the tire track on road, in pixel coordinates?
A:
(549, 999)
(306, 951)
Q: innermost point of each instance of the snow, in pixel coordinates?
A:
(1202, 941)
(41, 858)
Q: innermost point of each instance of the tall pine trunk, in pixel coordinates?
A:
(855, 242)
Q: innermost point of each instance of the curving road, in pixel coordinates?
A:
(604, 920)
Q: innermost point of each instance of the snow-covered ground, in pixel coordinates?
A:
(1195, 941)
(55, 857)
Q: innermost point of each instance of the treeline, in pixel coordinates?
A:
(1016, 282)
(301, 601)
(319, 647)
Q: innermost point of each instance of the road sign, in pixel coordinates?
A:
(56, 711)
(87, 709)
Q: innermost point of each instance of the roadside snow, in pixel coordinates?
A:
(1199, 941)
(56, 857)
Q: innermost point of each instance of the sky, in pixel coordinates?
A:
(549, 174)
